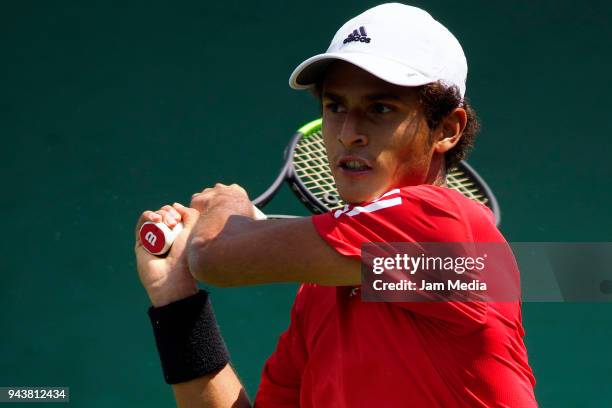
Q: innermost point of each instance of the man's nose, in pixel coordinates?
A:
(351, 135)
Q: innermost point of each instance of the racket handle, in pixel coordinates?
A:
(157, 237)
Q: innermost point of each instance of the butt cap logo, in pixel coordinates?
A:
(151, 238)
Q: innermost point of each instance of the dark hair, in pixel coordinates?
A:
(437, 101)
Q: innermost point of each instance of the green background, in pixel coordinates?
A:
(109, 108)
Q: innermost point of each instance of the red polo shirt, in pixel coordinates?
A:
(341, 352)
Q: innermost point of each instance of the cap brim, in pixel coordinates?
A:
(309, 72)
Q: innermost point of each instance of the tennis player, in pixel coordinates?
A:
(392, 88)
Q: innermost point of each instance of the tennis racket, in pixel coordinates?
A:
(307, 172)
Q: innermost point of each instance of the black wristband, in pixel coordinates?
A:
(188, 338)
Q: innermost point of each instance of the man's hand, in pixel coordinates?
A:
(167, 279)
(225, 210)
(232, 198)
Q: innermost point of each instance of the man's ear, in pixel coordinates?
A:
(450, 130)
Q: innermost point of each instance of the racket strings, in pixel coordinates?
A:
(312, 168)
(460, 181)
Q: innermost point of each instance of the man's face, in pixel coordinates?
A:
(375, 134)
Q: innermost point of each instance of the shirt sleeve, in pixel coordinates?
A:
(413, 215)
(282, 374)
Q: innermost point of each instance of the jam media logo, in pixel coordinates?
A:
(360, 36)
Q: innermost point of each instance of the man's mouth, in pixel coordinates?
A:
(354, 165)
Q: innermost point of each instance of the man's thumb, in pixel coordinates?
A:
(189, 216)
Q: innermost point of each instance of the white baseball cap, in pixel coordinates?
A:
(399, 44)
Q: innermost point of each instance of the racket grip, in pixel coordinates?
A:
(157, 237)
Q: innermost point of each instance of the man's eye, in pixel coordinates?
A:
(381, 108)
(334, 107)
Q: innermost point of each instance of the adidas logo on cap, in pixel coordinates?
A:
(360, 36)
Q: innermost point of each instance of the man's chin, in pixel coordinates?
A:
(350, 196)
